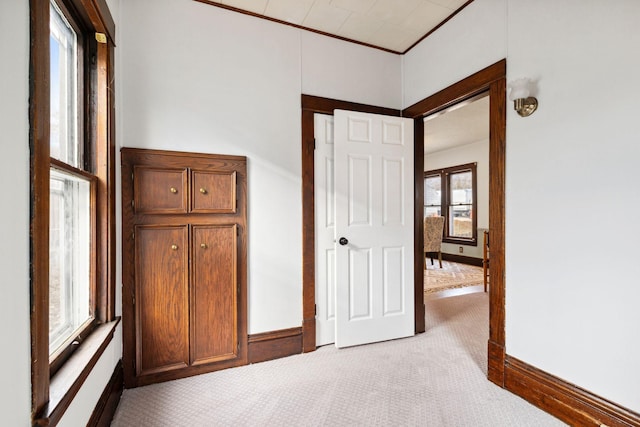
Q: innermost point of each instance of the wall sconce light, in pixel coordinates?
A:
(523, 103)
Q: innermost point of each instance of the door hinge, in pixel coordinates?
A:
(315, 309)
(314, 143)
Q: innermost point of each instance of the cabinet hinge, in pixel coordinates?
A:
(314, 143)
(133, 236)
(133, 204)
(315, 309)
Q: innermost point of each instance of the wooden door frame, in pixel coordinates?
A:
(493, 80)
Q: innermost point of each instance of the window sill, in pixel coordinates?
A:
(466, 242)
(66, 383)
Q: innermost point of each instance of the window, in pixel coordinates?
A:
(72, 198)
(70, 189)
(451, 192)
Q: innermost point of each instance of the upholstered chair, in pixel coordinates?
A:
(433, 226)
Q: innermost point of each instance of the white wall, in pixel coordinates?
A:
(215, 81)
(467, 43)
(334, 69)
(476, 152)
(572, 199)
(15, 393)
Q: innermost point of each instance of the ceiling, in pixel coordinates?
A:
(394, 25)
(462, 124)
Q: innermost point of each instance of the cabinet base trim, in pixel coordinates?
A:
(564, 400)
(275, 344)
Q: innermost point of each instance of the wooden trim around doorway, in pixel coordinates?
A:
(310, 106)
(491, 79)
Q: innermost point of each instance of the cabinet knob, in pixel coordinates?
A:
(174, 190)
(174, 247)
(203, 190)
(203, 245)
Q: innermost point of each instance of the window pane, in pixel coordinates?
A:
(432, 190)
(460, 221)
(64, 90)
(69, 255)
(432, 211)
(460, 204)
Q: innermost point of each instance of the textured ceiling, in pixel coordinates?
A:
(394, 25)
(460, 125)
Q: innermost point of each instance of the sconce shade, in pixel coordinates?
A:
(520, 94)
(520, 88)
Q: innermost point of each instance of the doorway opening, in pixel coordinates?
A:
(491, 79)
(456, 197)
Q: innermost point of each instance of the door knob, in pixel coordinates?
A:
(343, 241)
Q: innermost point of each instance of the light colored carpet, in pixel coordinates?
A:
(433, 379)
(452, 275)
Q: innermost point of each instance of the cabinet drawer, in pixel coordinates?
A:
(160, 190)
(213, 192)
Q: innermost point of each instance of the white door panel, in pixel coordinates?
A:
(373, 159)
(324, 230)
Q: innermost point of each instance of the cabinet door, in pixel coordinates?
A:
(214, 294)
(213, 192)
(162, 298)
(160, 190)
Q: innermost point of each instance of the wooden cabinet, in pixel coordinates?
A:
(184, 264)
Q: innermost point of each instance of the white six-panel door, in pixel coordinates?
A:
(373, 158)
(375, 288)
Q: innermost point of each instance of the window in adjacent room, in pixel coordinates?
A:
(451, 192)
